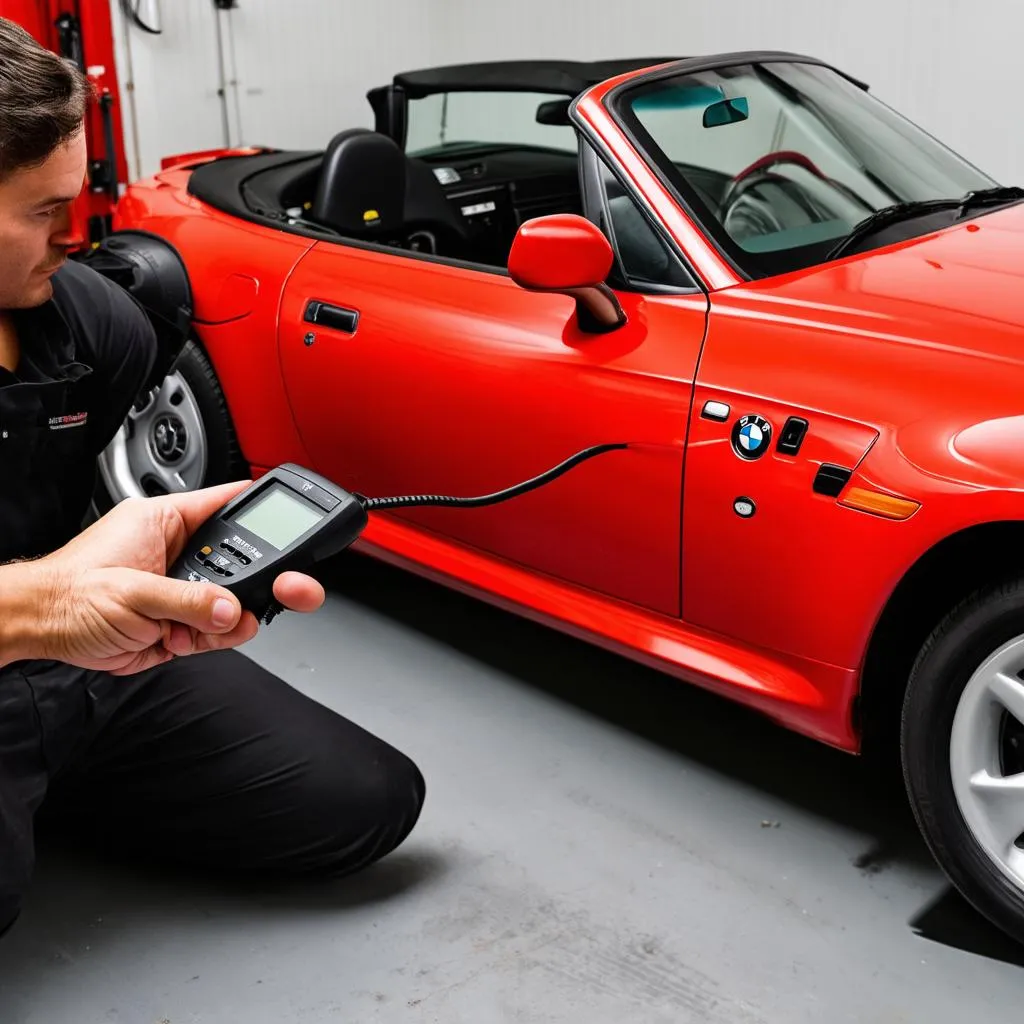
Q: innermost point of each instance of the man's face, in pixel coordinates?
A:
(35, 223)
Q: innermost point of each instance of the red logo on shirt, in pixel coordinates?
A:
(72, 419)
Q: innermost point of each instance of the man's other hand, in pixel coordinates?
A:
(107, 604)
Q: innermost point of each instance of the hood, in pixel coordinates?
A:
(961, 288)
(924, 341)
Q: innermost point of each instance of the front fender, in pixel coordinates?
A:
(964, 471)
(151, 270)
(961, 478)
(992, 452)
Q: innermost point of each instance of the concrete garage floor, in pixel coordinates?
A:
(592, 850)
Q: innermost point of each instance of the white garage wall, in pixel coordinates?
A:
(168, 81)
(953, 66)
(297, 71)
(304, 66)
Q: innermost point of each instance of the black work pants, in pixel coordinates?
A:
(209, 761)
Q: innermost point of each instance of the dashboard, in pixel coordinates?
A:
(494, 190)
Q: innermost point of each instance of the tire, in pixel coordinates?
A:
(179, 438)
(955, 727)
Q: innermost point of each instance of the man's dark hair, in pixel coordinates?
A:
(43, 99)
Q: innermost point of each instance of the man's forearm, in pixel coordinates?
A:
(26, 594)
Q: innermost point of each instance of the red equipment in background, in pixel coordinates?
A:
(82, 31)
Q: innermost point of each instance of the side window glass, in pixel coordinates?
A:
(645, 259)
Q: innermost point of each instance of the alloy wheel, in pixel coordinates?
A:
(161, 447)
(987, 758)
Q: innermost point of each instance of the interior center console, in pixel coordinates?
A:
(494, 194)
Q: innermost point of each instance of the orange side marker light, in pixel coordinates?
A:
(878, 504)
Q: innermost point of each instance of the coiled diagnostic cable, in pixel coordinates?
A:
(413, 500)
(274, 607)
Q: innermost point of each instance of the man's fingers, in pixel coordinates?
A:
(180, 640)
(299, 592)
(142, 662)
(203, 606)
(246, 629)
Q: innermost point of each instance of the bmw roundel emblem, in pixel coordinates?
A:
(751, 436)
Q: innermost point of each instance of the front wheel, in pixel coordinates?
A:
(963, 750)
(178, 438)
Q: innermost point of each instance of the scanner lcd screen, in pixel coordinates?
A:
(278, 518)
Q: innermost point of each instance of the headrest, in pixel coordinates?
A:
(362, 183)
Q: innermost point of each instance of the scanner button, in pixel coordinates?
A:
(317, 494)
(235, 553)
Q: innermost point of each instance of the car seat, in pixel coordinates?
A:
(369, 189)
(361, 189)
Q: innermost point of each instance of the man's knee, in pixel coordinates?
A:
(408, 791)
(364, 820)
(392, 801)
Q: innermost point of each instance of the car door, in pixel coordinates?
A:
(422, 376)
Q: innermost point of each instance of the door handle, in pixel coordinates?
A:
(324, 314)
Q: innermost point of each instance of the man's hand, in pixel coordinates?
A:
(106, 603)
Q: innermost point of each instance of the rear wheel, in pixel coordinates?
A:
(178, 438)
(963, 750)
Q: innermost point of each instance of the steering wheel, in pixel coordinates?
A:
(781, 156)
(743, 214)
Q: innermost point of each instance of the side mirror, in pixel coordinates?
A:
(567, 253)
(727, 112)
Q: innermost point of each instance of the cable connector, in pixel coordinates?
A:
(271, 612)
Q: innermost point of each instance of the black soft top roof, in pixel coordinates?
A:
(566, 77)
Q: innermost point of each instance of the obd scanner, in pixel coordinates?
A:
(292, 518)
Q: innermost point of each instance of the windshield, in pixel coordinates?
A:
(780, 160)
(458, 120)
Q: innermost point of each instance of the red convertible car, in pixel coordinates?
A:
(802, 315)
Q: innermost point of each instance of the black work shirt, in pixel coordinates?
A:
(84, 355)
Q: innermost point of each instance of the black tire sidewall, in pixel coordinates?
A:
(969, 636)
(223, 462)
